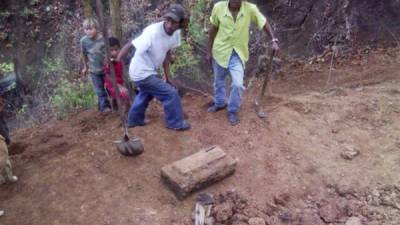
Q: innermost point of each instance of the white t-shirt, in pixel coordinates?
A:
(151, 48)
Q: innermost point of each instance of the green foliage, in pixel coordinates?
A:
(184, 58)
(26, 12)
(6, 68)
(4, 14)
(3, 36)
(69, 97)
(22, 112)
(54, 65)
(34, 2)
(197, 22)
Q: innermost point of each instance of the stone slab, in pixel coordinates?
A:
(198, 171)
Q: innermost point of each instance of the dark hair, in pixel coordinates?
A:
(113, 41)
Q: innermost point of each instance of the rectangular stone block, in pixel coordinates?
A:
(198, 171)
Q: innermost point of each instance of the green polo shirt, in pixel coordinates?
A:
(234, 35)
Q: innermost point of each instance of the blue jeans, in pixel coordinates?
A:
(165, 93)
(236, 70)
(98, 84)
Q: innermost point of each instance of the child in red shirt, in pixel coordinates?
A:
(119, 76)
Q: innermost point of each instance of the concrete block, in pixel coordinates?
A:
(198, 171)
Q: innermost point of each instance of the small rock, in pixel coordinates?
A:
(376, 193)
(209, 221)
(281, 199)
(239, 217)
(256, 221)
(350, 153)
(251, 211)
(223, 212)
(331, 213)
(390, 200)
(286, 217)
(354, 221)
(250, 146)
(359, 89)
(345, 190)
(239, 223)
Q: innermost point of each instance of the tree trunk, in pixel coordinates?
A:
(87, 8)
(115, 10)
(20, 85)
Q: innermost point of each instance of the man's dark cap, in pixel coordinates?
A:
(176, 12)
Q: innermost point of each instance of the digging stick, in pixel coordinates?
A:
(259, 99)
(125, 146)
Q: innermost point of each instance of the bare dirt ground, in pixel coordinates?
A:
(290, 170)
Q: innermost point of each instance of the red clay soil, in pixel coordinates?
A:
(70, 173)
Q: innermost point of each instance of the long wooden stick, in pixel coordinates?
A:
(108, 54)
(121, 112)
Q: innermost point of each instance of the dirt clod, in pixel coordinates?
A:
(256, 221)
(354, 221)
(332, 212)
(223, 212)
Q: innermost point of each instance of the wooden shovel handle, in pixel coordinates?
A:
(100, 14)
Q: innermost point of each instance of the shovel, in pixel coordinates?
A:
(259, 99)
(126, 146)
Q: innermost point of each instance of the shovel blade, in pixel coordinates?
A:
(128, 147)
(258, 107)
(261, 115)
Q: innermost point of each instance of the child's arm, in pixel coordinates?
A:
(85, 63)
(124, 51)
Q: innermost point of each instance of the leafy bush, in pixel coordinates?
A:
(198, 22)
(184, 58)
(22, 112)
(54, 65)
(4, 14)
(6, 68)
(68, 97)
(28, 12)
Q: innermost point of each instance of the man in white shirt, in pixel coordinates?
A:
(153, 50)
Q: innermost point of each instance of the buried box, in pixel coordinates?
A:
(198, 170)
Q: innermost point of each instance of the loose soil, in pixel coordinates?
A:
(290, 169)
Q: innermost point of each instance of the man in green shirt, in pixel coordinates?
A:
(228, 49)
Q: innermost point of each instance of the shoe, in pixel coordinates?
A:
(14, 179)
(144, 123)
(215, 108)
(114, 105)
(1, 212)
(106, 110)
(185, 126)
(233, 118)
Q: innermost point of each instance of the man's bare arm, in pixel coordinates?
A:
(268, 30)
(166, 66)
(212, 33)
